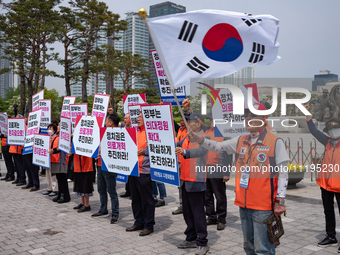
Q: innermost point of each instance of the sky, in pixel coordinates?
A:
(309, 33)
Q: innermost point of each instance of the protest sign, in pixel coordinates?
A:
(75, 110)
(35, 100)
(33, 127)
(65, 110)
(161, 141)
(3, 123)
(41, 157)
(134, 111)
(46, 106)
(122, 178)
(86, 136)
(65, 135)
(133, 100)
(16, 131)
(226, 123)
(119, 150)
(164, 85)
(100, 106)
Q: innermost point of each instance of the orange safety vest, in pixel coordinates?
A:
(141, 144)
(329, 173)
(212, 156)
(16, 149)
(182, 132)
(262, 186)
(188, 166)
(269, 128)
(3, 141)
(82, 164)
(53, 145)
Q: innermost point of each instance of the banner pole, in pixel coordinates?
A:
(142, 13)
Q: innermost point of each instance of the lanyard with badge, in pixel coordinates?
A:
(245, 170)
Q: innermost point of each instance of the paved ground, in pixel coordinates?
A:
(26, 216)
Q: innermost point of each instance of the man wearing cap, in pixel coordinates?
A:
(261, 178)
(193, 183)
(329, 174)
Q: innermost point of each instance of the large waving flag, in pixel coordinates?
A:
(213, 43)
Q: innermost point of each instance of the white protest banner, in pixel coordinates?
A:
(100, 106)
(164, 85)
(65, 110)
(75, 110)
(65, 135)
(35, 100)
(33, 126)
(86, 136)
(119, 150)
(161, 140)
(133, 100)
(41, 157)
(3, 123)
(16, 131)
(134, 111)
(226, 123)
(46, 106)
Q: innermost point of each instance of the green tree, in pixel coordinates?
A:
(95, 17)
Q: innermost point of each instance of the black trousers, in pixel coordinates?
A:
(19, 163)
(70, 172)
(31, 170)
(143, 203)
(8, 162)
(127, 186)
(63, 186)
(328, 206)
(194, 216)
(218, 188)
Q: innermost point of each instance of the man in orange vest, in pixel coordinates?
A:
(143, 203)
(261, 178)
(193, 183)
(127, 124)
(329, 174)
(8, 159)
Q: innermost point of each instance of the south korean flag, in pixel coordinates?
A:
(212, 43)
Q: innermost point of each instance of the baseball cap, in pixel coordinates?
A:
(332, 123)
(195, 116)
(259, 107)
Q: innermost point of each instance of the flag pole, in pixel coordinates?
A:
(142, 13)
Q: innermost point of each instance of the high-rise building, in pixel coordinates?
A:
(325, 76)
(136, 40)
(6, 79)
(119, 45)
(157, 10)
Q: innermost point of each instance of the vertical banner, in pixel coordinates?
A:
(100, 106)
(133, 100)
(119, 151)
(33, 127)
(75, 110)
(3, 123)
(46, 106)
(16, 131)
(35, 100)
(163, 83)
(65, 135)
(41, 157)
(222, 112)
(134, 111)
(86, 136)
(65, 110)
(161, 141)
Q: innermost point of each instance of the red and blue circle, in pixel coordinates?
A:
(261, 157)
(222, 43)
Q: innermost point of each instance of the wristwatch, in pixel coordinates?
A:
(280, 202)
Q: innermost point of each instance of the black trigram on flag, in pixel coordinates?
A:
(250, 22)
(196, 65)
(188, 31)
(258, 53)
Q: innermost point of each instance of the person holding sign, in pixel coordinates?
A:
(261, 178)
(127, 124)
(8, 159)
(107, 182)
(59, 168)
(143, 204)
(193, 185)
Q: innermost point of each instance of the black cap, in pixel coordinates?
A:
(195, 116)
(332, 123)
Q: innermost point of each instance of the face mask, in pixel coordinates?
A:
(334, 133)
(50, 132)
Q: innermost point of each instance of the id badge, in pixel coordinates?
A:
(242, 152)
(244, 179)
